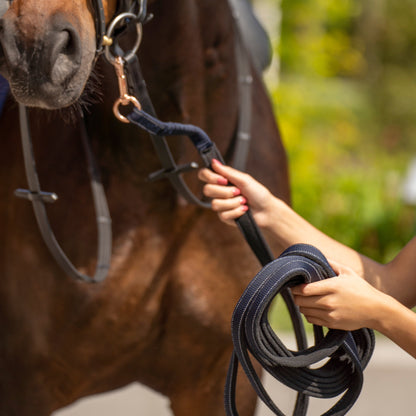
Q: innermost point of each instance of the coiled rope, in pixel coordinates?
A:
(347, 353)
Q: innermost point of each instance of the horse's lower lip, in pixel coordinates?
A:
(46, 95)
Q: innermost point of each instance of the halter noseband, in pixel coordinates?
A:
(137, 7)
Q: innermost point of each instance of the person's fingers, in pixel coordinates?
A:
(220, 205)
(313, 302)
(236, 177)
(298, 290)
(208, 176)
(231, 215)
(320, 288)
(315, 320)
(217, 191)
(336, 267)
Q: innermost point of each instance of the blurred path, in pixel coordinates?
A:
(389, 389)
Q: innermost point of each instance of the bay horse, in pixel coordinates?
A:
(162, 316)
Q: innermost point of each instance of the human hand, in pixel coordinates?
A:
(345, 302)
(230, 202)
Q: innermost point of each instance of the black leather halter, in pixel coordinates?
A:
(39, 197)
(99, 20)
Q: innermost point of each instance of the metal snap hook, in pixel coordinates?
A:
(125, 98)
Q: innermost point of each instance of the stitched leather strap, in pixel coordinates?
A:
(39, 198)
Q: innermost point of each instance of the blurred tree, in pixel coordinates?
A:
(345, 98)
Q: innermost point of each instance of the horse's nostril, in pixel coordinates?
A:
(66, 43)
(69, 46)
(65, 54)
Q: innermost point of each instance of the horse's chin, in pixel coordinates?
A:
(47, 102)
(46, 95)
(31, 88)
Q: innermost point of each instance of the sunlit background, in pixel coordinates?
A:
(343, 82)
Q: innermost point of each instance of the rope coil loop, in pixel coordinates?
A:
(346, 354)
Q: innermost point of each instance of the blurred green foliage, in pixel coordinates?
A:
(346, 105)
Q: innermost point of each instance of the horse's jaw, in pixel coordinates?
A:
(28, 91)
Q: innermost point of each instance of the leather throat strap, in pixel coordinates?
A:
(39, 198)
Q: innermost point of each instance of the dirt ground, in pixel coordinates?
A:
(389, 385)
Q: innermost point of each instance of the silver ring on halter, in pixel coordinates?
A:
(109, 36)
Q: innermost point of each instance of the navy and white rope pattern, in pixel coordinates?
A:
(347, 353)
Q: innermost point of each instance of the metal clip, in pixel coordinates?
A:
(33, 196)
(177, 170)
(124, 98)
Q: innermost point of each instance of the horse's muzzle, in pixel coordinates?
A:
(43, 65)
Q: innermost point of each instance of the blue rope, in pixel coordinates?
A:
(4, 92)
(154, 126)
(347, 352)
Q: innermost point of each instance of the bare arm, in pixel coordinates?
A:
(397, 278)
(348, 302)
(365, 294)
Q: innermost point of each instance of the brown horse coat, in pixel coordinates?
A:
(162, 317)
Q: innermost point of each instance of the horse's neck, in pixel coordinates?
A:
(188, 61)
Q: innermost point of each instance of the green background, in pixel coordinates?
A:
(344, 91)
(343, 85)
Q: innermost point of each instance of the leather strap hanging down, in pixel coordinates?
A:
(245, 89)
(39, 198)
(137, 88)
(170, 170)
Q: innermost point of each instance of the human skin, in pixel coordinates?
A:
(364, 293)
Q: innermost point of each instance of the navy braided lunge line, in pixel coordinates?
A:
(347, 353)
(152, 125)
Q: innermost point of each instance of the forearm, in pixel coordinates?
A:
(399, 324)
(397, 278)
(290, 228)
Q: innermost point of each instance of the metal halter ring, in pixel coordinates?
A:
(109, 36)
(127, 99)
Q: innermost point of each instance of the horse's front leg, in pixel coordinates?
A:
(205, 397)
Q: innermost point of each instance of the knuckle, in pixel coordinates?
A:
(333, 316)
(207, 190)
(223, 216)
(328, 303)
(215, 205)
(201, 174)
